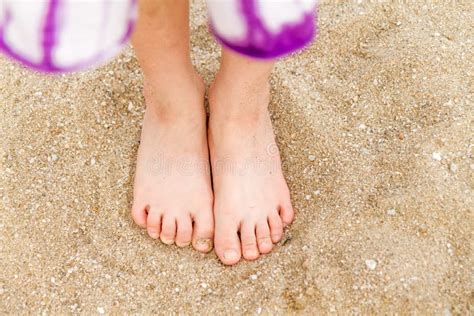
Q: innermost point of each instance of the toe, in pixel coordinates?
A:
(184, 231)
(168, 230)
(203, 231)
(286, 213)
(139, 215)
(276, 227)
(249, 241)
(264, 241)
(227, 243)
(154, 224)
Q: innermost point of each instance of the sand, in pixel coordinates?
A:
(375, 125)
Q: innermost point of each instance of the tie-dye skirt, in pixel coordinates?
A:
(71, 35)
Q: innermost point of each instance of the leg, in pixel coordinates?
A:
(172, 191)
(251, 194)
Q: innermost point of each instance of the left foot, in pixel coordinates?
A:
(172, 191)
(251, 198)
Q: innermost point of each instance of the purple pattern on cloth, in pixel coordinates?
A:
(261, 43)
(258, 40)
(48, 36)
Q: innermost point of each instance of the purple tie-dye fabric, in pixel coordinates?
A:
(59, 36)
(269, 28)
(68, 35)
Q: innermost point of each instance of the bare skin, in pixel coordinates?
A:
(252, 201)
(172, 191)
(173, 195)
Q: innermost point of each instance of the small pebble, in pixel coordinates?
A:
(391, 212)
(371, 264)
(437, 156)
(453, 167)
(447, 311)
(307, 197)
(312, 157)
(101, 310)
(253, 277)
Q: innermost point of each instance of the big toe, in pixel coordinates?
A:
(203, 231)
(227, 243)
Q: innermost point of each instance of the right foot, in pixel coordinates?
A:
(252, 200)
(172, 192)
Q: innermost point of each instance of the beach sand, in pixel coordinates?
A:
(375, 126)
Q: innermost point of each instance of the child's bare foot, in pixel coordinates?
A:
(172, 194)
(252, 201)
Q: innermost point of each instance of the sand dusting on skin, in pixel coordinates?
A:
(375, 125)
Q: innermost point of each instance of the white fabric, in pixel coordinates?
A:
(276, 14)
(227, 20)
(86, 32)
(22, 33)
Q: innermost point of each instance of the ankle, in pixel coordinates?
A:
(239, 82)
(177, 96)
(167, 78)
(239, 101)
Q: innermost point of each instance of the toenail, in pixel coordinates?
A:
(153, 234)
(230, 254)
(184, 244)
(204, 243)
(167, 241)
(252, 253)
